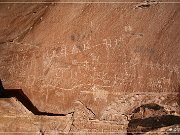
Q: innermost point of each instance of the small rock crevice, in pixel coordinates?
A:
(146, 4)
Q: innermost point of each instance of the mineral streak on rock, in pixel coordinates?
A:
(111, 67)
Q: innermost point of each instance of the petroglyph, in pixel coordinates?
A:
(93, 62)
(128, 28)
(99, 93)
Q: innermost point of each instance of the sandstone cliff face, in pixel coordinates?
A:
(95, 63)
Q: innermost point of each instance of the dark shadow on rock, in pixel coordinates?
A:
(21, 97)
(146, 124)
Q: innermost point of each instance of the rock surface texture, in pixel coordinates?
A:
(106, 67)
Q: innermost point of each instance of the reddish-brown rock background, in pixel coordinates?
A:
(94, 62)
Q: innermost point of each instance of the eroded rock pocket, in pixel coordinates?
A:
(149, 117)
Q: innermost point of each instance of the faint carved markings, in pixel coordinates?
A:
(109, 44)
(112, 43)
(95, 58)
(75, 49)
(22, 63)
(129, 31)
(52, 63)
(99, 93)
(50, 56)
(128, 28)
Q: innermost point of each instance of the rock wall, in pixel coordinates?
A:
(94, 62)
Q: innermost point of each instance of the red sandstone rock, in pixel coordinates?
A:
(97, 62)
